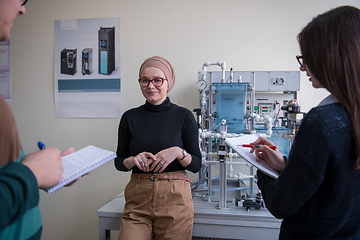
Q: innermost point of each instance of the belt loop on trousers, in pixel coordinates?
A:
(169, 176)
(139, 177)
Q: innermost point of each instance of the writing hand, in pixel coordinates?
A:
(46, 165)
(272, 157)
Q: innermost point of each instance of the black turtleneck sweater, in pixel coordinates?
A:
(152, 128)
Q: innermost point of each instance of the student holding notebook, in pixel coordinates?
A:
(318, 191)
(158, 141)
(21, 176)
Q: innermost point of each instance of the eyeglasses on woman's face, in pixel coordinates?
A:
(157, 82)
(23, 2)
(300, 60)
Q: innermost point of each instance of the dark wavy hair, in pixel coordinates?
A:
(330, 45)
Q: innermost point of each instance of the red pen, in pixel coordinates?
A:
(256, 146)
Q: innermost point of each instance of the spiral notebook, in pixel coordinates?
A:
(236, 144)
(81, 162)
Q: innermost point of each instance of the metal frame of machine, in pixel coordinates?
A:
(267, 93)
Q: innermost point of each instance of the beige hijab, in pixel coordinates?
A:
(162, 64)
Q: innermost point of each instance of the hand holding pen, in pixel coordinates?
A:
(46, 165)
(64, 153)
(267, 151)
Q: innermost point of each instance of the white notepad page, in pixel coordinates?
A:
(81, 162)
(250, 157)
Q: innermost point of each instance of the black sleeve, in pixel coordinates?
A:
(122, 151)
(191, 144)
(303, 173)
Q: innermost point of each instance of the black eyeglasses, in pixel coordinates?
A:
(157, 82)
(300, 60)
(23, 2)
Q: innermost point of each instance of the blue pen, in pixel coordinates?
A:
(41, 145)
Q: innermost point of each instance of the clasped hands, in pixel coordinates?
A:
(147, 161)
(272, 157)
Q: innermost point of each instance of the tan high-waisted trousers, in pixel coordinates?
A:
(157, 209)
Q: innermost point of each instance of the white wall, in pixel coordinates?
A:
(247, 35)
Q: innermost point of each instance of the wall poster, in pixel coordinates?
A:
(5, 70)
(87, 68)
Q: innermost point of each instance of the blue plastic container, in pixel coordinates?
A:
(231, 105)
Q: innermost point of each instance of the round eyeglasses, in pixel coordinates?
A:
(300, 60)
(23, 2)
(157, 82)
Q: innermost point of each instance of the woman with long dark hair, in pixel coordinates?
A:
(318, 191)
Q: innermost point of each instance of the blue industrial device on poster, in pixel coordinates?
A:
(86, 61)
(106, 50)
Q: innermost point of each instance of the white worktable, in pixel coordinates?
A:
(233, 223)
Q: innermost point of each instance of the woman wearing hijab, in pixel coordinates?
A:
(318, 191)
(158, 141)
